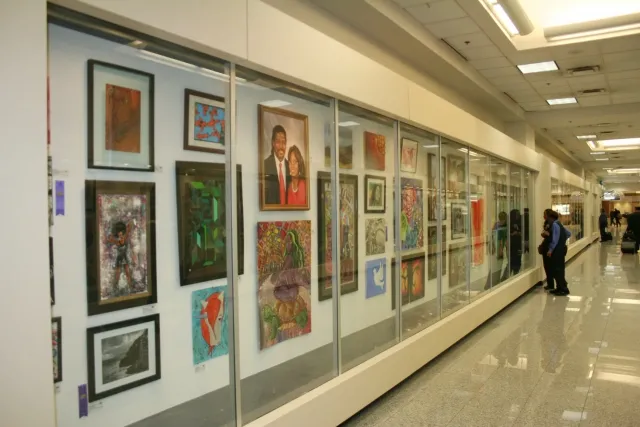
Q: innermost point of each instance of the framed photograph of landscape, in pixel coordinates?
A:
(123, 355)
(120, 117)
(202, 221)
(121, 242)
(375, 193)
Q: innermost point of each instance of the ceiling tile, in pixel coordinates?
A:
(551, 86)
(595, 100)
(534, 106)
(631, 74)
(483, 64)
(453, 27)
(481, 52)
(408, 3)
(525, 96)
(544, 77)
(435, 12)
(582, 61)
(491, 73)
(596, 81)
(575, 50)
(618, 66)
(509, 80)
(625, 98)
(619, 44)
(629, 55)
(465, 41)
(625, 85)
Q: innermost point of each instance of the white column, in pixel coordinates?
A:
(26, 379)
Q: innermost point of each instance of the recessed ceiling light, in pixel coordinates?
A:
(562, 101)
(275, 103)
(595, 153)
(602, 159)
(586, 137)
(538, 67)
(348, 123)
(619, 142)
(431, 146)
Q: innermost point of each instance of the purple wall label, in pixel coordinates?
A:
(83, 401)
(59, 198)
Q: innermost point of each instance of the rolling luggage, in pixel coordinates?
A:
(628, 243)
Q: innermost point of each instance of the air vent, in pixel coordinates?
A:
(581, 71)
(592, 91)
(607, 132)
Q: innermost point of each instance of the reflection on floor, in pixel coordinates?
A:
(544, 361)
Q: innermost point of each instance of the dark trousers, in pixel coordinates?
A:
(558, 271)
(546, 262)
(602, 231)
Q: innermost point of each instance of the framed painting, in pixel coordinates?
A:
(345, 147)
(412, 214)
(457, 265)
(374, 151)
(204, 122)
(375, 235)
(56, 347)
(443, 187)
(52, 285)
(284, 281)
(284, 159)
(348, 233)
(202, 221)
(458, 221)
(444, 249)
(412, 279)
(375, 194)
(457, 175)
(432, 239)
(432, 193)
(376, 273)
(120, 237)
(120, 117)
(209, 334)
(432, 266)
(409, 156)
(123, 355)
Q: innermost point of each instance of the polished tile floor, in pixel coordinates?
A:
(544, 361)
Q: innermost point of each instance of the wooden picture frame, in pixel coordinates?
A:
(349, 208)
(291, 133)
(123, 343)
(121, 241)
(414, 286)
(204, 122)
(374, 203)
(201, 205)
(120, 121)
(56, 344)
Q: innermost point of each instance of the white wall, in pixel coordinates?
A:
(26, 371)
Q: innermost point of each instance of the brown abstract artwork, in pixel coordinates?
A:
(122, 119)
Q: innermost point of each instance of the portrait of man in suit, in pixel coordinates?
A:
(276, 169)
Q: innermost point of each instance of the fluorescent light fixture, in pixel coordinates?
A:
(602, 159)
(538, 67)
(614, 24)
(637, 192)
(275, 103)
(586, 136)
(624, 171)
(620, 148)
(591, 145)
(562, 101)
(505, 20)
(597, 153)
(431, 146)
(619, 142)
(607, 169)
(348, 123)
(511, 16)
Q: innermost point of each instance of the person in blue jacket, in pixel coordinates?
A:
(557, 253)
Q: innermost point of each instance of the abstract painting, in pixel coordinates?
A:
(202, 239)
(204, 122)
(284, 280)
(283, 153)
(375, 195)
(348, 234)
(376, 235)
(374, 151)
(120, 236)
(458, 221)
(120, 112)
(345, 142)
(412, 214)
(209, 324)
(376, 272)
(412, 279)
(123, 355)
(409, 156)
(56, 346)
(457, 266)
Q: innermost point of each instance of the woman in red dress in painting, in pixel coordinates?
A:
(297, 188)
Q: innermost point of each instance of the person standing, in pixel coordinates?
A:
(633, 222)
(602, 222)
(515, 245)
(498, 249)
(557, 252)
(526, 230)
(544, 248)
(612, 215)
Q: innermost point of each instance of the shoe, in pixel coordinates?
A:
(560, 292)
(548, 288)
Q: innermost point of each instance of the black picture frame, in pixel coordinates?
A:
(458, 221)
(92, 340)
(325, 277)
(187, 172)
(94, 190)
(92, 64)
(367, 208)
(188, 94)
(58, 339)
(409, 298)
(52, 283)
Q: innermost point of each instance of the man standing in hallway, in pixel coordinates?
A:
(602, 222)
(557, 253)
(633, 222)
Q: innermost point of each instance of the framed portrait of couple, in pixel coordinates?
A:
(283, 159)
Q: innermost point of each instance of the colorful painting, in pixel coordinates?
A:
(376, 271)
(56, 346)
(412, 214)
(412, 279)
(202, 221)
(457, 267)
(348, 233)
(209, 324)
(409, 156)
(376, 235)
(204, 121)
(374, 151)
(345, 143)
(458, 221)
(283, 151)
(120, 245)
(122, 119)
(284, 280)
(477, 231)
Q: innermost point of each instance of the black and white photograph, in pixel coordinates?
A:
(375, 194)
(123, 355)
(376, 234)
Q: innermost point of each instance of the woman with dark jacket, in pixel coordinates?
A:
(549, 218)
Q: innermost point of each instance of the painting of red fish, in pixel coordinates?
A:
(209, 324)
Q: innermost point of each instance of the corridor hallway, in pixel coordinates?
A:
(543, 361)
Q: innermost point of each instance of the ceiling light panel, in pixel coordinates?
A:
(586, 136)
(597, 153)
(538, 67)
(620, 142)
(562, 101)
